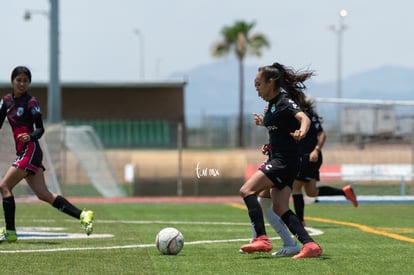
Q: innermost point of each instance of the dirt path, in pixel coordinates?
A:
(100, 200)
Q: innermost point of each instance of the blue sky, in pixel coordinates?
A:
(98, 42)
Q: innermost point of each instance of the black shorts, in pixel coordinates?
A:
(309, 170)
(29, 158)
(281, 171)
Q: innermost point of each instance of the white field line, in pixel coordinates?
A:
(312, 231)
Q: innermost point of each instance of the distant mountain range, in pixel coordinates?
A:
(213, 89)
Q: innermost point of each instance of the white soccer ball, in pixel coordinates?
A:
(169, 241)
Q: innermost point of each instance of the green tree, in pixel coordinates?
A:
(238, 39)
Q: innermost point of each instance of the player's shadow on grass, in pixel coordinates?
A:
(43, 242)
(321, 227)
(265, 256)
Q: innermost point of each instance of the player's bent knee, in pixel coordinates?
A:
(243, 192)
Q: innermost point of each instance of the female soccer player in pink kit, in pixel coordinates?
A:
(23, 113)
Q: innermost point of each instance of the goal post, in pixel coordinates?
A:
(57, 143)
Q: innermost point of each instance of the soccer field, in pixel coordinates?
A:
(370, 239)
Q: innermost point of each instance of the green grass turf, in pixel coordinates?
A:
(370, 239)
(361, 188)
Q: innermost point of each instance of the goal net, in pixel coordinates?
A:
(83, 142)
(65, 150)
(370, 144)
(8, 154)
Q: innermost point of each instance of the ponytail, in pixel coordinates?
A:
(289, 80)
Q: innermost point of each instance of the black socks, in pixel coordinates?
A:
(330, 191)
(299, 205)
(66, 207)
(296, 227)
(9, 210)
(255, 214)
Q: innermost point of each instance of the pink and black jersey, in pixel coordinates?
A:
(23, 113)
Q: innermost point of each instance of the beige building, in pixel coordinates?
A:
(123, 114)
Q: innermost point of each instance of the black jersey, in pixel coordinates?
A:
(307, 144)
(280, 121)
(21, 112)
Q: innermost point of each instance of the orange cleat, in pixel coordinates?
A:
(259, 244)
(350, 195)
(309, 250)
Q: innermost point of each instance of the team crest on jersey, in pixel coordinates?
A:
(35, 110)
(273, 108)
(20, 111)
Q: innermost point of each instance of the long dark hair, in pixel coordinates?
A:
(310, 108)
(21, 70)
(289, 80)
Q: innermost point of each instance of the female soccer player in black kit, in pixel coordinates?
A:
(310, 150)
(286, 123)
(23, 113)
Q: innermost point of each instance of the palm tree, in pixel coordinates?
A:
(237, 38)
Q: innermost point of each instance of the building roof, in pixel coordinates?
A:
(93, 84)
